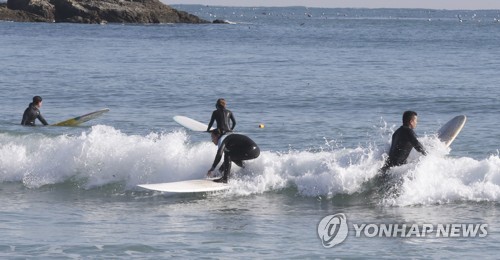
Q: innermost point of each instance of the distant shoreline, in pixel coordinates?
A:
(94, 12)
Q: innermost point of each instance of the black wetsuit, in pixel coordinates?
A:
(31, 114)
(236, 148)
(403, 140)
(222, 116)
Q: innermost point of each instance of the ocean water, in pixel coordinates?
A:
(329, 85)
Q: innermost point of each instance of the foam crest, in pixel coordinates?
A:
(104, 155)
(437, 180)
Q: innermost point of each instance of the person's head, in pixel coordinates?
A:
(410, 119)
(215, 135)
(221, 103)
(37, 101)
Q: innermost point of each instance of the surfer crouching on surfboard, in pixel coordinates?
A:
(33, 112)
(236, 148)
(403, 140)
(222, 115)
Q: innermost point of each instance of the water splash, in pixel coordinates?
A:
(104, 155)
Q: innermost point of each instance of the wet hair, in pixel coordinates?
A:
(408, 116)
(37, 99)
(221, 103)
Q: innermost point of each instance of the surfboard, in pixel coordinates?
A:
(449, 131)
(82, 119)
(191, 124)
(202, 185)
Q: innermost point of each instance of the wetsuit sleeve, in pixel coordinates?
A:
(40, 117)
(231, 116)
(416, 144)
(218, 157)
(212, 119)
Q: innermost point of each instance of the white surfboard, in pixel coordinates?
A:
(203, 185)
(449, 131)
(191, 124)
(82, 119)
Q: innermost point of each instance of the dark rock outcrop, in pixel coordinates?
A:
(7, 14)
(220, 21)
(36, 7)
(94, 11)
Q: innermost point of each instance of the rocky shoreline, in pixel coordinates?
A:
(94, 12)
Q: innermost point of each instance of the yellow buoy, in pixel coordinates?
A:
(261, 126)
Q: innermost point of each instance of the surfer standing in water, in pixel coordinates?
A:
(222, 116)
(236, 148)
(33, 112)
(403, 140)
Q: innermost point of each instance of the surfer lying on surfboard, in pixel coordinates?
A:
(236, 148)
(403, 140)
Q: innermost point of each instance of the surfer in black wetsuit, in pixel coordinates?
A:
(403, 140)
(236, 148)
(33, 112)
(222, 116)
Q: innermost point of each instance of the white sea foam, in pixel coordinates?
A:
(104, 155)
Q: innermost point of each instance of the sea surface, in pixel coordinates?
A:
(329, 86)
